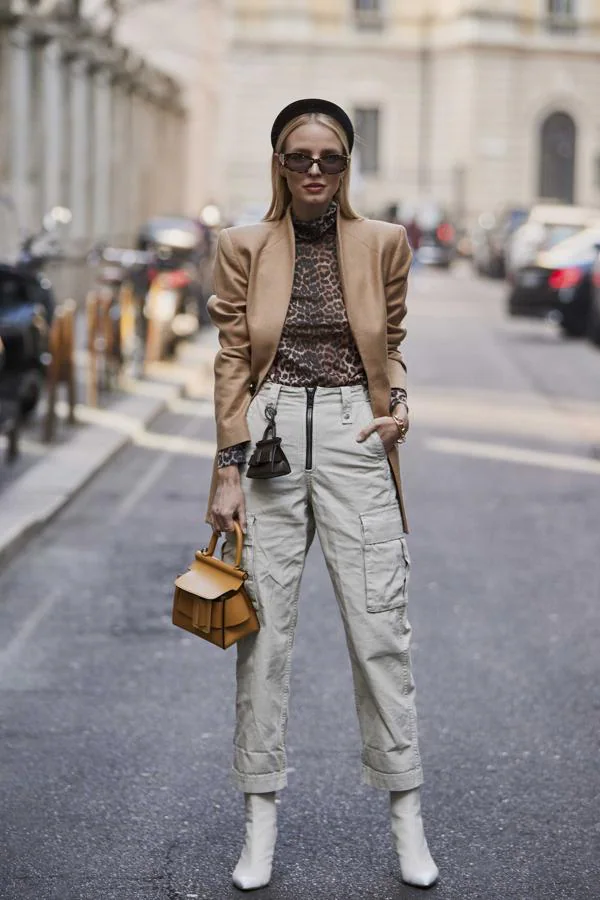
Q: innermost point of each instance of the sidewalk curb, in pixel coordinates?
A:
(40, 494)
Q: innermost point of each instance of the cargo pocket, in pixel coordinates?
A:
(386, 559)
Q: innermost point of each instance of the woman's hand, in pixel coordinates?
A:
(228, 504)
(387, 428)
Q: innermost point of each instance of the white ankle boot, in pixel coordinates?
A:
(254, 866)
(416, 863)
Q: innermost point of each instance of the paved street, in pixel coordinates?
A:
(116, 728)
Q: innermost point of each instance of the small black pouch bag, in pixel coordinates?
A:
(268, 459)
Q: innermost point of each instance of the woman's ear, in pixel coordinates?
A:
(280, 168)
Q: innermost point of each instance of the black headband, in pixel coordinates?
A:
(302, 107)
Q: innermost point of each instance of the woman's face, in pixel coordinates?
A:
(312, 192)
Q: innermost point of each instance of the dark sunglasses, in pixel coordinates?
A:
(332, 164)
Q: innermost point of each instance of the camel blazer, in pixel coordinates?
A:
(253, 277)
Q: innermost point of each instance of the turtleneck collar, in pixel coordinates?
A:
(316, 228)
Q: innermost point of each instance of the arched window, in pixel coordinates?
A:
(557, 158)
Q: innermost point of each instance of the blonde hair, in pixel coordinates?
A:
(281, 195)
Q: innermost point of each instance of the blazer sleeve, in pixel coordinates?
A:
(227, 309)
(396, 283)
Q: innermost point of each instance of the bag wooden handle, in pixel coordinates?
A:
(239, 543)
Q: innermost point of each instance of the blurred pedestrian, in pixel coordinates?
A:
(309, 305)
(413, 233)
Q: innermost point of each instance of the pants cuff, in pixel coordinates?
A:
(259, 784)
(405, 781)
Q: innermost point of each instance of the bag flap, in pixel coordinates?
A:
(206, 614)
(208, 582)
(237, 609)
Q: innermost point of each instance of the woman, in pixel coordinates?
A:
(309, 305)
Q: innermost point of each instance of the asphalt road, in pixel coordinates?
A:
(116, 728)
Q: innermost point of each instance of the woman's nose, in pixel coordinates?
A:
(314, 169)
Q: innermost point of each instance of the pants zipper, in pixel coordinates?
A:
(310, 402)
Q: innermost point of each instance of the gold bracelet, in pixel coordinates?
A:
(402, 429)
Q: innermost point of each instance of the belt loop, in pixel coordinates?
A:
(346, 393)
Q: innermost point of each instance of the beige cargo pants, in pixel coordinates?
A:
(346, 492)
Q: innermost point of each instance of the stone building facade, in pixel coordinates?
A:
(472, 104)
(87, 125)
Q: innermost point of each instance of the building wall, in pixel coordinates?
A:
(188, 41)
(86, 125)
(462, 88)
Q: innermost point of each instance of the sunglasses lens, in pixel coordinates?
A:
(298, 162)
(333, 164)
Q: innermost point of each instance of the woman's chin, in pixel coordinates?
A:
(315, 199)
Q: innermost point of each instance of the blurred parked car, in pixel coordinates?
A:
(438, 245)
(594, 316)
(546, 226)
(432, 234)
(559, 284)
(491, 239)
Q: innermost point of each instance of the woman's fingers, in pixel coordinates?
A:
(368, 430)
(387, 428)
(223, 518)
(241, 517)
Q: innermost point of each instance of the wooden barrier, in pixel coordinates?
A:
(62, 365)
(130, 336)
(154, 343)
(103, 345)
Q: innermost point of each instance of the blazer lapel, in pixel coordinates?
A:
(273, 290)
(355, 264)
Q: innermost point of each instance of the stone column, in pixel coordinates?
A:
(103, 139)
(53, 121)
(20, 126)
(151, 167)
(119, 160)
(137, 142)
(79, 200)
(129, 161)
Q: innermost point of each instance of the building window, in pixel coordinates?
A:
(367, 132)
(368, 14)
(562, 15)
(558, 137)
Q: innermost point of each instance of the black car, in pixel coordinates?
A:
(559, 284)
(594, 316)
(437, 242)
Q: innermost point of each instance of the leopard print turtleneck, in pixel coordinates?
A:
(317, 347)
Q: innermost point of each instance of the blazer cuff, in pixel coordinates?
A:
(397, 395)
(232, 456)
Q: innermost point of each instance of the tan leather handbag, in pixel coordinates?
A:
(210, 600)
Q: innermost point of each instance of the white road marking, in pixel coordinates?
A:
(13, 649)
(202, 408)
(522, 415)
(175, 443)
(169, 444)
(504, 453)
